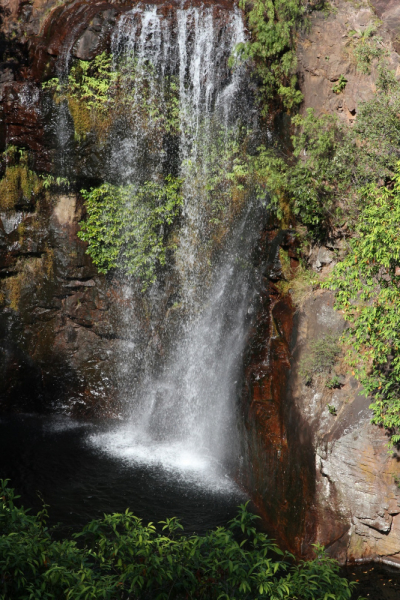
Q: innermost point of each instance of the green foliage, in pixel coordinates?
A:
(87, 91)
(321, 357)
(366, 283)
(367, 47)
(331, 163)
(126, 226)
(49, 182)
(332, 410)
(340, 85)
(333, 383)
(98, 91)
(272, 24)
(118, 557)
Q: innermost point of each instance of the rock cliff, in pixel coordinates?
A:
(320, 471)
(356, 507)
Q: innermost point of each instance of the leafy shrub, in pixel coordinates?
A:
(126, 226)
(321, 357)
(366, 283)
(272, 24)
(331, 163)
(340, 85)
(120, 558)
(366, 47)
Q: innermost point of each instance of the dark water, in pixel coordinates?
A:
(51, 456)
(80, 482)
(375, 582)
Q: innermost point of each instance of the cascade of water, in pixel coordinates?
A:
(185, 414)
(63, 123)
(184, 419)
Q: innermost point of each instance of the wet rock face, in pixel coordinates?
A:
(63, 328)
(54, 341)
(94, 37)
(278, 455)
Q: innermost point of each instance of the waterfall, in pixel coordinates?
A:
(182, 413)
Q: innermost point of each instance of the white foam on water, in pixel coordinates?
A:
(177, 460)
(60, 423)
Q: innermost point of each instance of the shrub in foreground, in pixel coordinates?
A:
(119, 557)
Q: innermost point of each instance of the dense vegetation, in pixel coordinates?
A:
(273, 24)
(119, 557)
(347, 178)
(366, 283)
(126, 226)
(322, 182)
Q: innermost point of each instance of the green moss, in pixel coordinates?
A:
(20, 184)
(97, 92)
(14, 288)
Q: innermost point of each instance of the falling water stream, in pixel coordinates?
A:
(175, 450)
(183, 416)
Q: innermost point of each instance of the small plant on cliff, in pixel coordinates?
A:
(396, 480)
(366, 284)
(272, 24)
(333, 383)
(366, 47)
(118, 557)
(299, 281)
(340, 85)
(127, 226)
(321, 357)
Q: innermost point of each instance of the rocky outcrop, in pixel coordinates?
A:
(327, 50)
(320, 471)
(356, 507)
(357, 500)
